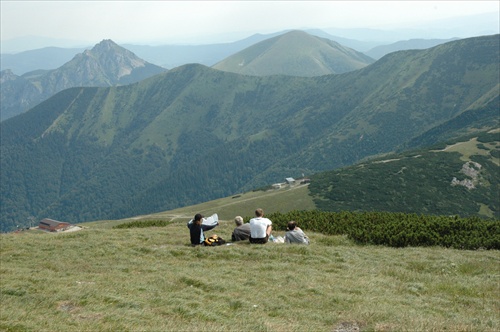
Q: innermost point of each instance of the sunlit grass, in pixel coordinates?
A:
(282, 200)
(152, 280)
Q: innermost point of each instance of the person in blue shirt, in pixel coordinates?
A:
(197, 229)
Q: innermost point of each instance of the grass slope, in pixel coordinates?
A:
(282, 200)
(151, 280)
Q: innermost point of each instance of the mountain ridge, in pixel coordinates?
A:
(195, 133)
(381, 50)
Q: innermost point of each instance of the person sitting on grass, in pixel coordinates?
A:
(295, 234)
(242, 231)
(197, 229)
(260, 228)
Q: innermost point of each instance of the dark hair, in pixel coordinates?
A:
(198, 217)
(291, 225)
(259, 212)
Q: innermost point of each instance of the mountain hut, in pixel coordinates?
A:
(50, 225)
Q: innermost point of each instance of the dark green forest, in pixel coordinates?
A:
(419, 181)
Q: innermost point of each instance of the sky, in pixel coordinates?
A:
(204, 21)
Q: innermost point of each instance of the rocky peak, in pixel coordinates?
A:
(106, 45)
(7, 75)
(112, 60)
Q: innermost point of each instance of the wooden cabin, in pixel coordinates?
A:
(50, 225)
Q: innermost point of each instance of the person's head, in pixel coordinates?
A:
(259, 212)
(238, 220)
(291, 225)
(198, 218)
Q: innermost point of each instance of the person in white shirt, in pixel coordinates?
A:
(260, 228)
(295, 234)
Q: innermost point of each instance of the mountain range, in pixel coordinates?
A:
(288, 53)
(46, 58)
(195, 133)
(106, 64)
(412, 44)
(171, 56)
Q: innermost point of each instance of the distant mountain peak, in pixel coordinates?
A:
(107, 45)
(294, 53)
(106, 64)
(106, 42)
(6, 75)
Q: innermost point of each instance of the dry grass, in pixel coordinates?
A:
(281, 200)
(152, 280)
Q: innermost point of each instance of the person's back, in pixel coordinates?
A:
(295, 234)
(242, 231)
(260, 228)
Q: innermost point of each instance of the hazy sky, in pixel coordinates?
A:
(177, 21)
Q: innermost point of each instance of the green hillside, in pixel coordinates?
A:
(294, 53)
(282, 200)
(195, 134)
(458, 179)
(418, 181)
(151, 279)
(474, 119)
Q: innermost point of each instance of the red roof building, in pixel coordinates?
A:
(50, 225)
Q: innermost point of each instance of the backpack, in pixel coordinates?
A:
(213, 241)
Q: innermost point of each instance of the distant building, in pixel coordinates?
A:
(290, 181)
(50, 225)
(304, 181)
(277, 185)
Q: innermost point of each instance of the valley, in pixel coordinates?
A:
(194, 134)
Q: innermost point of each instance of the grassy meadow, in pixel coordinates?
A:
(150, 279)
(282, 200)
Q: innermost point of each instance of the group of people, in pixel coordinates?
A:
(258, 230)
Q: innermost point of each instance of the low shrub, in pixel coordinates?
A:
(398, 229)
(143, 224)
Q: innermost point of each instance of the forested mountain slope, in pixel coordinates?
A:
(194, 133)
(459, 178)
